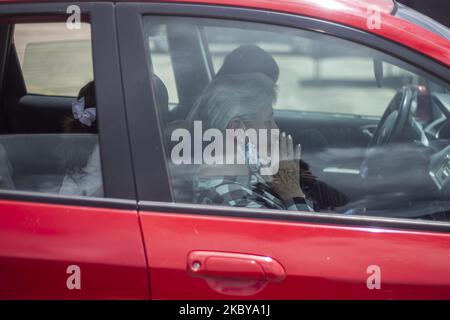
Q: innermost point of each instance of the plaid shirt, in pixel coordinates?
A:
(242, 191)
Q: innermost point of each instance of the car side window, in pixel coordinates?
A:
(302, 121)
(48, 131)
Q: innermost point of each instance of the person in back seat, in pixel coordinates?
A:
(82, 165)
(84, 112)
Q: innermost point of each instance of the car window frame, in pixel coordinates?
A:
(117, 174)
(153, 179)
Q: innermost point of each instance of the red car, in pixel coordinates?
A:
(95, 97)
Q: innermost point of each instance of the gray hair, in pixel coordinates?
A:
(235, 96)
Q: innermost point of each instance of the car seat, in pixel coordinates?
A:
(180, 175)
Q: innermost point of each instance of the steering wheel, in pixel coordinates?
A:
(395, 117)
(381, 160)
(396, 124)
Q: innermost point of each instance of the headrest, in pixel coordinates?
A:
(161, 96)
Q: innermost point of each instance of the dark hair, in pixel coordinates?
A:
(74, 155)
(246, 59)
(250, 59)
(235, 96)
(72, 125)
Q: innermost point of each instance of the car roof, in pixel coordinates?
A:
(352, 13)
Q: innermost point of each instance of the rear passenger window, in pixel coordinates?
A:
(48, 132)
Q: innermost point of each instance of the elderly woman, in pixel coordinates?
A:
(244, 101)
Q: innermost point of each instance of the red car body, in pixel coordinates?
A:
(142, 253)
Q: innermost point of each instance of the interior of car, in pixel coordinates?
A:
(33, 140)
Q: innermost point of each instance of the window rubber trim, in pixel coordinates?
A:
(295, 216)
(49, 198)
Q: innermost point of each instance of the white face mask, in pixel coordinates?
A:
(250, 154)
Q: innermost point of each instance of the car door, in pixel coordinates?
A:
(59, 240)
(211, 251)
